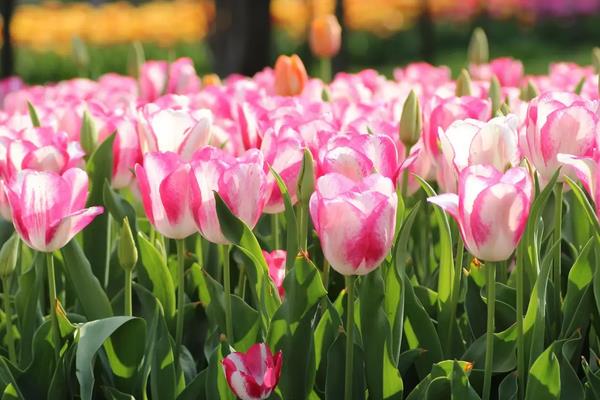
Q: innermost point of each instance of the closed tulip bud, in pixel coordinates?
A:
(596, 59)
(80, 55)
(127, 252)
(89, 134)
(495, 95)
(325, 36)
(463, 84)
(410, 121)
(306, 179)
(135, 59)
(211, 80)
(579, 86)
(478, 48)
(504, 109)
(529, 92)
(290, 76)
(8, 256)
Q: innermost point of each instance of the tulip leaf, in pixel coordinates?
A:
(336, 357)
(508, 388)
(383, 379)
(585, 203)
(578, 302)
(93, 299)
(447, 276)
(33, 115)
(196, 389)
(325, 334)
(93, 335)
(8, 382)
(31, 285)
(504, 351)
(216, 384)
(292, 224)
(291, 328)
(212, 296)
(118, 207)
(159, 363)
(236, 231)
(99, 169)
(35, 380)
(155, 276)
(543, 381)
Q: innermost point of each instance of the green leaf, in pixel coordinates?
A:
(264, 292)
(118, 207)
(290, 218)
(544, 377)
(216, 384)
(99, 169)
(504, 351)
(88, 290)
(35, 120)
(447, 275)
(585, 203)
(94, 334)
(508, 389)
(196, 389)
(212, 296)
(336, 357)
(8, 382)
(383, 379)
(29, 317)
(35, 380)
(578, 302)
(110, 393)
(155, 276)
(291, 328)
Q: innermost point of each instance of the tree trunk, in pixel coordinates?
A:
(7, 8)
(241, 36)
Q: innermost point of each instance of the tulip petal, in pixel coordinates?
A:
(69, 226)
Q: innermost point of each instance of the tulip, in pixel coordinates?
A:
(358, 156)
(176, 130)
(290, 76)
(588, 172)
(491, 209)
(241, 182)
(355, 220)
(472, 142)
(126, 153)
(556, 123)
(253, 375)
(508, 71)
(276, 262)
(164, 183)
(325, 36)
(182, 77)
(47, 209)
(153, 80)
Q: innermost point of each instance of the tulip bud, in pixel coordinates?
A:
(290, 76)
(306, 178)
(596, 59)
(504, 109)
(463, 84)
(88, 135)
(529, 92)
(8, 256)
(211, 80)
(325, 36)
(410, 121)
(33, 115)
(478, 47)
(127, 252)
(80, 55)
(579, 86)
(135, 59)
(495, 94)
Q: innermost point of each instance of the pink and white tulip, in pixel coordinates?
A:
(355, 220)
(253, 375)
(558, 122)
(587, 171)
(241, 182)
(508, 71)
(472, 142)
(276, 262)
(491, 209)
(179, 130)
(164, 184)
(47, 208)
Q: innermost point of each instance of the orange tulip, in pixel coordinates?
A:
(325, 36)
(290, 76)
(211, 80)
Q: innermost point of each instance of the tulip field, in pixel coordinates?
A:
(284, 236)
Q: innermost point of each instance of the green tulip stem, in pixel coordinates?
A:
(10, 339)
(556, 273)
(302, 225)
(325, 64)
(52, 299)
(349, 338)
(127, 294)
(489, 340)
(180, 300)
(227, 288)
(520, 277)
(405, 175)
(275, 231)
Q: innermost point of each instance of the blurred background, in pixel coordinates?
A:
(43, 40)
